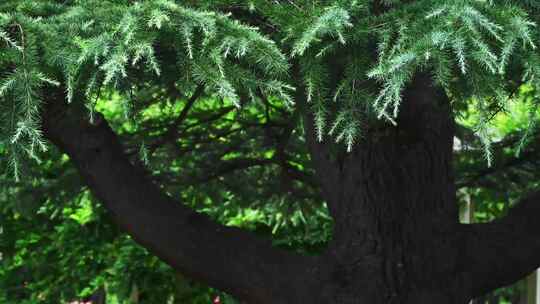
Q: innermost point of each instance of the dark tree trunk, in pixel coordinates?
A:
(393, 202)
(397, 238)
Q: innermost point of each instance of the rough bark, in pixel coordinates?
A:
(397, 238)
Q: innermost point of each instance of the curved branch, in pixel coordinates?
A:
(504, 251)
(224, 257)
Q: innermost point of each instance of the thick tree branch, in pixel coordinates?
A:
(224, 257)
(504, 251)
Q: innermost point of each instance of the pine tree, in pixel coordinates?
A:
(376, 84)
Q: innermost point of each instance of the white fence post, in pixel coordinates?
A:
(533, 296)
(467, 214)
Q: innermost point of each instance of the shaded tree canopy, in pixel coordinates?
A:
(335, 116)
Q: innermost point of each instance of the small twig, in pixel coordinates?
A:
(181, 117)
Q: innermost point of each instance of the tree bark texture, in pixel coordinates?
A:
(397, 238)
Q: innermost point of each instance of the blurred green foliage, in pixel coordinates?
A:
(493, 190)
(58, 244)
